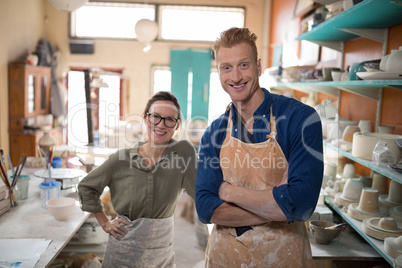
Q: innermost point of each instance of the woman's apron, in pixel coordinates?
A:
(148, 243)
(275, 244)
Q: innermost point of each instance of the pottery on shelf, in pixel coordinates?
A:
(367, 207)
(398, 262)
(394, 61)
(351, 192)
(385, 129)
(381, 228)
(348, 171)
(348, 133)
(330, 169)
(338, 187)
(364, 144)
(365, 126)
(393, 246)
(380, 182)
(396, 213)
(394, 196)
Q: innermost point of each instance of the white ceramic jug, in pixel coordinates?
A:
(394, 61)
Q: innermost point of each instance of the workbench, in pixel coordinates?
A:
(29, 220)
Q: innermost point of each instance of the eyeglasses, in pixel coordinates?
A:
(155, 119)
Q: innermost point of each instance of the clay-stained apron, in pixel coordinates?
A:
(276, 244)
(148, 243)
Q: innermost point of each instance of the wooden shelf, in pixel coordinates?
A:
(378, 245)
(386, 171)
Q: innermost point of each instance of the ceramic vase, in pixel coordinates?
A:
(380, 183)
(369, 200)
(365, 126)
(394, 61)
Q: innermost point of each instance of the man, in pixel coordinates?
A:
(260, 168)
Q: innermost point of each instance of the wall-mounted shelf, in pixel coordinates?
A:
(378, 245)
(366, 88)
(386, 171)
(357, 21)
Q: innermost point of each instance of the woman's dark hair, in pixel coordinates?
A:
(163, 96)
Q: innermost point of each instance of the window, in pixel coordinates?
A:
(196, 23)
(176, 22)
(218, 98)
(105, 106)
(109, 20)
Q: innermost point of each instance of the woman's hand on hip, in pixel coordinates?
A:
(116, 227)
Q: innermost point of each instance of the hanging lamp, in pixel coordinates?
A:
(67, 5)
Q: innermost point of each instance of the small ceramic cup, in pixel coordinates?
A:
(369, 199)
(348, 133)
(380, 183)
(395, 190)
(353, 189)
(385, 129)
(348, 171)
(330, 169)
(365, 126)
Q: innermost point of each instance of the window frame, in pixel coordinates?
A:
(158, 19)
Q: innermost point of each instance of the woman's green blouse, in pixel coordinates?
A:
(136, 191)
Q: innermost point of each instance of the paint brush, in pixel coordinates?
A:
(10, 163)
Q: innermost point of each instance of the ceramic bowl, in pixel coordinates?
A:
(322, 235)
(364, 143)
(61, 208)
(336, 75)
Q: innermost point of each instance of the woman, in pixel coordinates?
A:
(145, 183)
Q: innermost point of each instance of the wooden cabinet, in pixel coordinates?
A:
(29, 96)
(25, 142)
(29, 93)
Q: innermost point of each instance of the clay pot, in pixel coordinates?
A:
(348, 133)
(322, 235)
(381, 228)
(365, 125)
(348, 171)
(380, 183)
(369, 200)
(353, 189)
(394, 197)
(364, 144)
(393, 246)
(385, 129)
(330, 169)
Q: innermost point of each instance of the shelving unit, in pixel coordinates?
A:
(370, 19)
(386, 171)
(378, 245)
(366, 88)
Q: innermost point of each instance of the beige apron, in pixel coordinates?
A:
(148, 243)
(276, 244)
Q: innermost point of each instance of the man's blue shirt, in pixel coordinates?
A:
(299, 135)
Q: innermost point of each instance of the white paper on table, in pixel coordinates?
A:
(21, 252)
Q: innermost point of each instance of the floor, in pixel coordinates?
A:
(188, 251)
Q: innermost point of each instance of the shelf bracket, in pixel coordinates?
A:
(330, 44)
(373, 34)
(368, 92)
